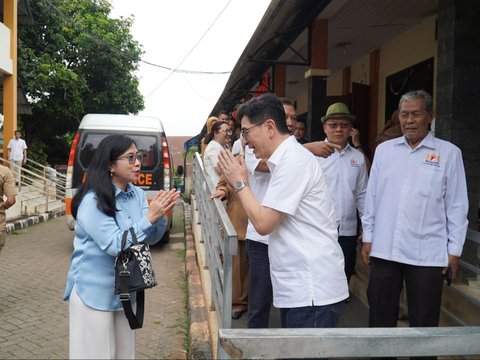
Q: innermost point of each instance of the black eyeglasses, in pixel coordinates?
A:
(245, 131)
(132, 158)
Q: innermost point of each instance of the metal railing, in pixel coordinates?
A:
(220, 243)
(47, 184)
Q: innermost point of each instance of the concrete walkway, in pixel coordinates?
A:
(34, 318)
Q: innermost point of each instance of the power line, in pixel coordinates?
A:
(191, 50)
(100, 42)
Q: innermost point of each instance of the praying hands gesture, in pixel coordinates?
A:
(164, 201)
(233, 169)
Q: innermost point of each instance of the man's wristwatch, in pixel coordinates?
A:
(239, 185)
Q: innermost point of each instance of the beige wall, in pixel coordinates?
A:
(6, 65)
(414, 46)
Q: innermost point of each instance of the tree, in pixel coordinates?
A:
(75, 60)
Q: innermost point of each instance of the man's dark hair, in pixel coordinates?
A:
(260, 109)
(287, 102)
(223, 112)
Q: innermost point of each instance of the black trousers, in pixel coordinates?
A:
(349, 248)
(424, 293)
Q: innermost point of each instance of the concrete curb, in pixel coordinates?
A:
(199, 334)
(31, 220)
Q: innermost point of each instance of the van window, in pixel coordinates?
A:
(151, 176)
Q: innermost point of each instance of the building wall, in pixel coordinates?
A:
(414, 46)
(6, 66)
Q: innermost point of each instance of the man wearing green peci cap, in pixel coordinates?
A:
(346, 177)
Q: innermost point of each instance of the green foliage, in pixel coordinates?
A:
(36, 152)
(75, 60)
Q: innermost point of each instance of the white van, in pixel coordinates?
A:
(147, 132)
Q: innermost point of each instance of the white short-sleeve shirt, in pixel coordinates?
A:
(16, 148)
(306, 261)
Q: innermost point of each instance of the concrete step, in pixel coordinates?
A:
(37, 207)
(460, 302)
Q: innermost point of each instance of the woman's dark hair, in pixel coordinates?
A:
(215, 128)
(98, 174)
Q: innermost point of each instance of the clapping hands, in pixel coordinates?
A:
(164, 201)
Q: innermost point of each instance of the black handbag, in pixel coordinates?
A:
(133, 273)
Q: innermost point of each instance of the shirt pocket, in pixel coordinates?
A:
(431, 183)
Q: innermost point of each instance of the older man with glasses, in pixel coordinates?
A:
(415, 218)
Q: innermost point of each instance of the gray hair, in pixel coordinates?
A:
(418, 94)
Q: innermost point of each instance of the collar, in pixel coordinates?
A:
(128, 193)
(277, 155)
(428, 141)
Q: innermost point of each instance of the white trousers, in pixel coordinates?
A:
(16, 170)
(96, 334)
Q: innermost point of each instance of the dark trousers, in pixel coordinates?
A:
(424, 293)
(260, 293)
(326, 316)
(349, 248)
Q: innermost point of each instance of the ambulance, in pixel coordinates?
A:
(149, 135)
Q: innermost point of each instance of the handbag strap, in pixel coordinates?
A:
(125, 235)
(135, 320)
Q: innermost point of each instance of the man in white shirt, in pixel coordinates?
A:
(260, 290)
(17, 154)
(346, 176)
(415, 218)
(306, 261)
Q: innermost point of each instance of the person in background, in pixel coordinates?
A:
(346, 176)
(7, 189)
(290, 115)
(223, 116)
(216, 140)
(301, 132)
(391, 130)
(317, 148)
(238, 129)
(17, 154)
(231, 122)
(237, 216)
(104, 207)
(203, 145)
(260, 291)
(415, 218)
(306, 261)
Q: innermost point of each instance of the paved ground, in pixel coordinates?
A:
(34, 318)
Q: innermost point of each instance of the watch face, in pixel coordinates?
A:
(238, 185)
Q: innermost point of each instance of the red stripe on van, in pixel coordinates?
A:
(71, 157)
(68, 206)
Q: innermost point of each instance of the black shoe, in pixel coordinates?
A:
(348, 299)
(237, 314)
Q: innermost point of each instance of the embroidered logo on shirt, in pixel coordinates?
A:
(432, 159)
(353, 163)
